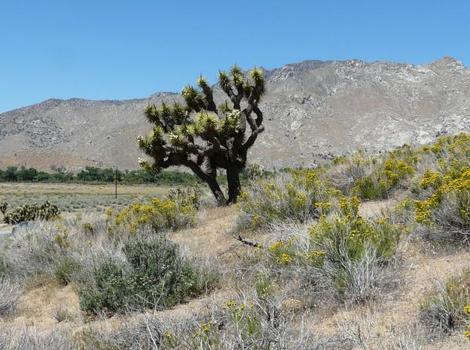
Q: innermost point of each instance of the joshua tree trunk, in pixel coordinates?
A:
(209, 176)
(233, 180)
(216, 191)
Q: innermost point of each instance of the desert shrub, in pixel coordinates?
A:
(254, 320)
(253, 172)
(110, 291)
(10, 292)
(346, 232)
(341, 254)
(65, 268)
(36, 249)
(450, 150)
(154, 275)
(357, 281)
(293, 195)
(30, 212)
(444, 310)
(186, 196)
(176, 211)
(346, 171)
(447, 205)
(351, 250)
(387, 175)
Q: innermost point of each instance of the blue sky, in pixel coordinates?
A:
(125, 49)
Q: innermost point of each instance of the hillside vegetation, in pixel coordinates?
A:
(366, 252)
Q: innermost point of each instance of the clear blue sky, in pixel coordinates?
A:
(104, 49)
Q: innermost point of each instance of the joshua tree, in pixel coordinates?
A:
(205, 137)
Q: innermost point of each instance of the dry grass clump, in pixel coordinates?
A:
(34, 249)
(360, 330)
(31, 338)
(445, 310)
(10, 292)
(61, 314)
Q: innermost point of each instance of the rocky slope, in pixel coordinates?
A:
(313, 109)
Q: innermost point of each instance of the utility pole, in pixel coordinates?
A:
(115, 182)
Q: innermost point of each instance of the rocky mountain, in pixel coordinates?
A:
(313, 109)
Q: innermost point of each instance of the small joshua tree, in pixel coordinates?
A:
(205, 137)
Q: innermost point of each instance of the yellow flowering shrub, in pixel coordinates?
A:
(431, 179)
(449, 202)
(399, 165)
(454, 146)
(349, 230)
(282, 252)
(175, 211)
(291, 195)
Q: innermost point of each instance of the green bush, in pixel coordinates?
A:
(65, 268)
(154, 275)
(30, 212)
(370, 188)
(110, 292)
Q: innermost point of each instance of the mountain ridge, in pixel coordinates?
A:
(313, 109)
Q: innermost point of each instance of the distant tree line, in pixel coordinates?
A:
(93, 174)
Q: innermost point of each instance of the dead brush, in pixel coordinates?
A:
(10, 293)
(32, 338)
(251, 320)
(444, 310)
